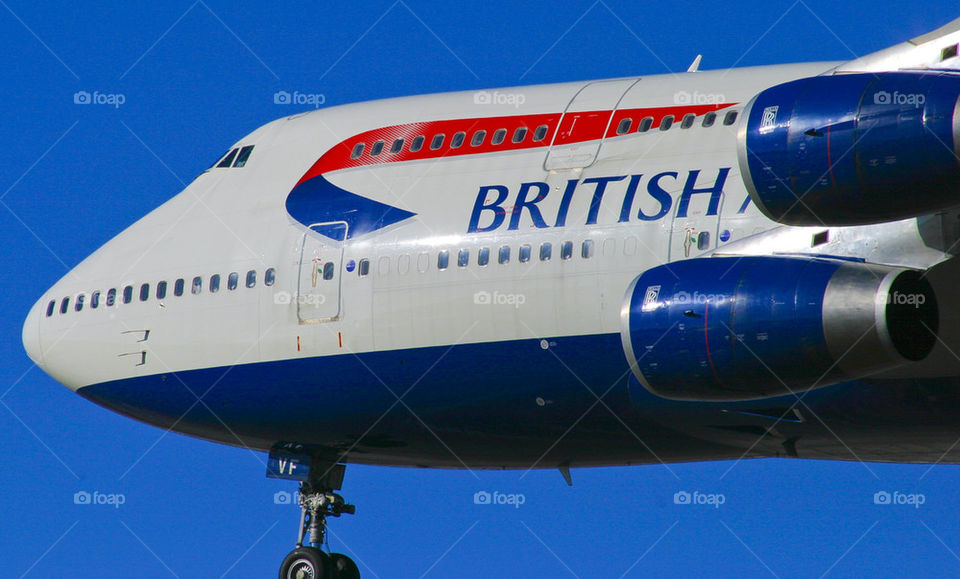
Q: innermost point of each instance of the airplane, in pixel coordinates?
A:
(712, 265)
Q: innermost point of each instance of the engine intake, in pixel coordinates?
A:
(853, 149)
(741, 328)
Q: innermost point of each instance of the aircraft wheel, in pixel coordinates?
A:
(305, 563)
(342, 567)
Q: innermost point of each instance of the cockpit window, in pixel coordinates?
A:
(242, 156)
(228, 160)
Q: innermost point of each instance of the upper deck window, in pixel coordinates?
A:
(730, 118)
(397, 146)
(243, 156)
(540, 134)
(687, 121)
(666, 123)
(519, 135)
(498, 136)
(478, 138)
(437, 141)
(357, 151)
(624, 126)
(417, 143)
(709, 119)
(376, 149)
(645, 124)
(457, 140)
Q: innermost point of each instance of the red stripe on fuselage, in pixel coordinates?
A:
(575, 127)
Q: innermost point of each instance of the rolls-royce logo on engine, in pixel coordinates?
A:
(768, 121)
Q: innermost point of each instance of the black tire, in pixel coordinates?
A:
(342, 567)
(305, 563)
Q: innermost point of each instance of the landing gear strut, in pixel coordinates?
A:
(317, 502)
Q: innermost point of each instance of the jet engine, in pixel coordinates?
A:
(741, 328)
(853, 149)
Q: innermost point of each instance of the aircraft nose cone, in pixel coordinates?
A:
(31, 335)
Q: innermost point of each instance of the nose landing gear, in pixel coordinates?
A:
(317, 502)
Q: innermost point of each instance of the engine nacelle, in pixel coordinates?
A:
(740, 328)
(853, 149)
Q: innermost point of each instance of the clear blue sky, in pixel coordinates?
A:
(195, 78)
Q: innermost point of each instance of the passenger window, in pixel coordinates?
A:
(520, 134)
(437, 141)
(709, 119)
(214, 283)
(177, 287)
(95, 300)
(111, 298)
(524, 253)
(376, 149)
(540, 134)
(357, 151)
(144, 292)
(703, 240)
(128, 294)
(64, 305)
(50, 307)
(270, 277)
(79, 305)
(463, 258)
(666, 123)
(252, 277)
(243, 156)
(645, 125)
(363, 268)
(566, 250)
(417, 143)
(397, 146)
(478, 138)
(687, 121)
(504, 256)
(197, 285)
(483, 256)
(498, 136)
(228, 160)
(730, 118)
(328, 270)
(232, 281)
(624, 126)
(161, 290)
(586, 250)
(457, 140)
(443, 259)
(546, 251)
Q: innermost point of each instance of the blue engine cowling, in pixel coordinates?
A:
(740, 328)
(853, 149)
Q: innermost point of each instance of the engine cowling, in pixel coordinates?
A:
(853, 149)
(741, 328)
